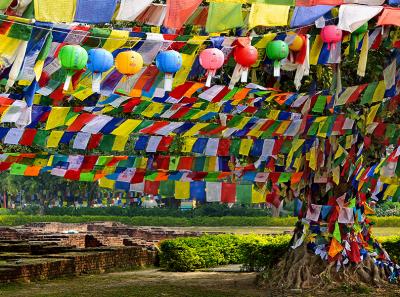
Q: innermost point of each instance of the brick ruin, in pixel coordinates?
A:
(47, 250)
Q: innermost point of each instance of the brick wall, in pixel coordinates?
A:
(69, 264)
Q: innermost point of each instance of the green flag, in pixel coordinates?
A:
(336, 233)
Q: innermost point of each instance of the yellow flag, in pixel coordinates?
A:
(283, 127)
(372, 114)
(257, 196)
(362, 63)
(143, 162)
(188, 144)
(153, 109)
(106, 183)
(245, 146)
(83, 93)
(116, 40)
(126, 127)
(54, 138)
(379, 92)
(313, 158)
(243, 122)
(182, 190)
(390, 191)
(340, 151)
(61, 11)
(40, 162)
(316, 50)
(296, 144)
(188, 60)
(199, 114)
(57, 117)
(212, 162)
(120, 142)
(349, 141)
(196, 128)
(336, 175)
(268, 15)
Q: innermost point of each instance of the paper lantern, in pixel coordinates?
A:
(168, 62)
(99, 61)
(129, 62)
(277, 50)
(211, 59)
(297, 42)
(331, 35)
(72, 58)
(245, 56)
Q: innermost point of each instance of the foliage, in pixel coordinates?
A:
(20, 219)
(255, 252)
(190, 253)
(392, 246)
(16, 219)
(388, 209)
(258, 256)
(209, 210)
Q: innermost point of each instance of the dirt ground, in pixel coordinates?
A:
(154, 283)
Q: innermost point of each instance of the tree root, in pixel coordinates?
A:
(301, 269)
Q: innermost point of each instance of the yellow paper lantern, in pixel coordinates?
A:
(129, 62)
(297, 43)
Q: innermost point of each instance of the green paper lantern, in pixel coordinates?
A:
(72, 58)
(277, 50)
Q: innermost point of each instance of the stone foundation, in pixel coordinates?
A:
(48, 250)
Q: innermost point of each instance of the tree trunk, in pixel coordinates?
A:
(302, 268)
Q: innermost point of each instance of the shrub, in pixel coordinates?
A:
(213, 250)
(388, 209)
(206, 210)
(258, 256)
(255, 252)
(392, 246)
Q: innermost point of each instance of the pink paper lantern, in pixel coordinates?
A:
(331, 35)
(211, 59)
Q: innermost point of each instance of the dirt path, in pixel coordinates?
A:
(143, 283)
(377, 231)
(155, 283)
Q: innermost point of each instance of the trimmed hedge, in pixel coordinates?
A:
(21, 219)
(255, 252)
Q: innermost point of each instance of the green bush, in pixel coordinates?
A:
(206, 210)
(388, 209)
(255, 252)
(392, 246)
(213, 250)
